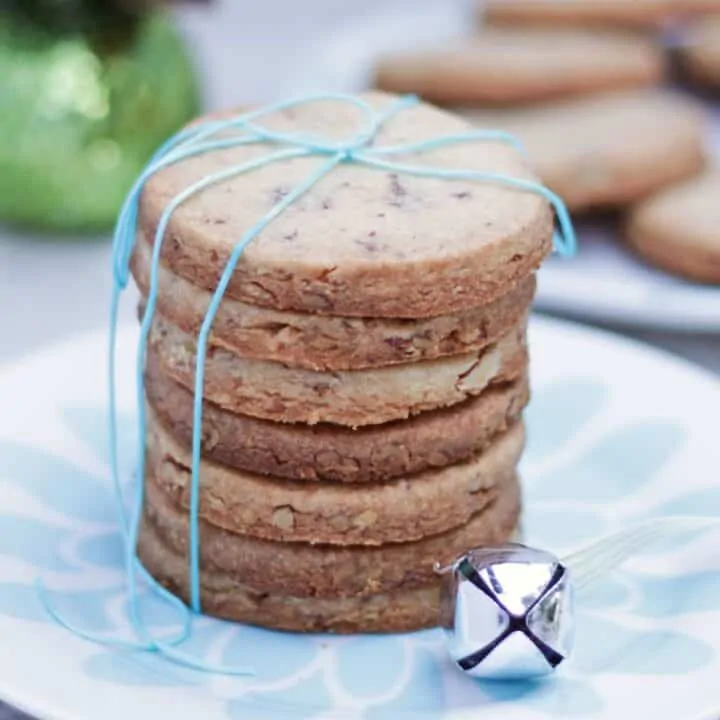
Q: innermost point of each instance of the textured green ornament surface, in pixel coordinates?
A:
(78, 119)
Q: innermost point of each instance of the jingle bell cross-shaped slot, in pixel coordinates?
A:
(507, 612)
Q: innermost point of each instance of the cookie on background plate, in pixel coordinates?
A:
(635, 13)
(697, 6)
(608, 150)
(355, 398)
(700, 51)
(509, 65)
(678, 229)
(330, 342)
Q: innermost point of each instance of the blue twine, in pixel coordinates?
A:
(200, 139)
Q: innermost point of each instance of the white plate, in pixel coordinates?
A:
(618, 433)
(606, 283)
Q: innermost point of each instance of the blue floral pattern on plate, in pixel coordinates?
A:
(627, 625)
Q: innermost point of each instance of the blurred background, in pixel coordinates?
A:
(88, 88)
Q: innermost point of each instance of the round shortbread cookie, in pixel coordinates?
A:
(326, 571)
(636, 13)
(700, 7)
(609, 150)
(375, 453)
(678, 229)
(507, 65)
(700, 53)
(327, 342)
(398, 611)
(401, 510)
(361, 242)
(226, 598)
(352, 398)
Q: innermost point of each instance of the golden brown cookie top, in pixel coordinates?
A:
(362, 241)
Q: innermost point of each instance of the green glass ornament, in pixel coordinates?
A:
(85, 99)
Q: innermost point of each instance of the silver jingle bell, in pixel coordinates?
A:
(507, 612)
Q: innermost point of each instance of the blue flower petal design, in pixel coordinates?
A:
(21, 601)
(571, 404)
(156, 614)
(423, 696)
(206, 632)
(608, 593)
(104, 549)
(368, 665)
(83, 608)
(705, 503)
(91, 426)
(560, 528)
(271, 654)
(56, 482)
(557, 697)
(309, 698)
(32, 541)
(133, 668)
(502, 691)
(121, 667)
(613, 468)
(605, 647)
(670, 596)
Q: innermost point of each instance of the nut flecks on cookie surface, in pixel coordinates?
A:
(362, 242)
(328, 342)
(512, 65)
(304, 570)
(228, 597)
(611, 149)
(272, 391)
(333, 453)
(403, 510)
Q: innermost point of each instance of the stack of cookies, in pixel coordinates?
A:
(581, 83)
(365, 380)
